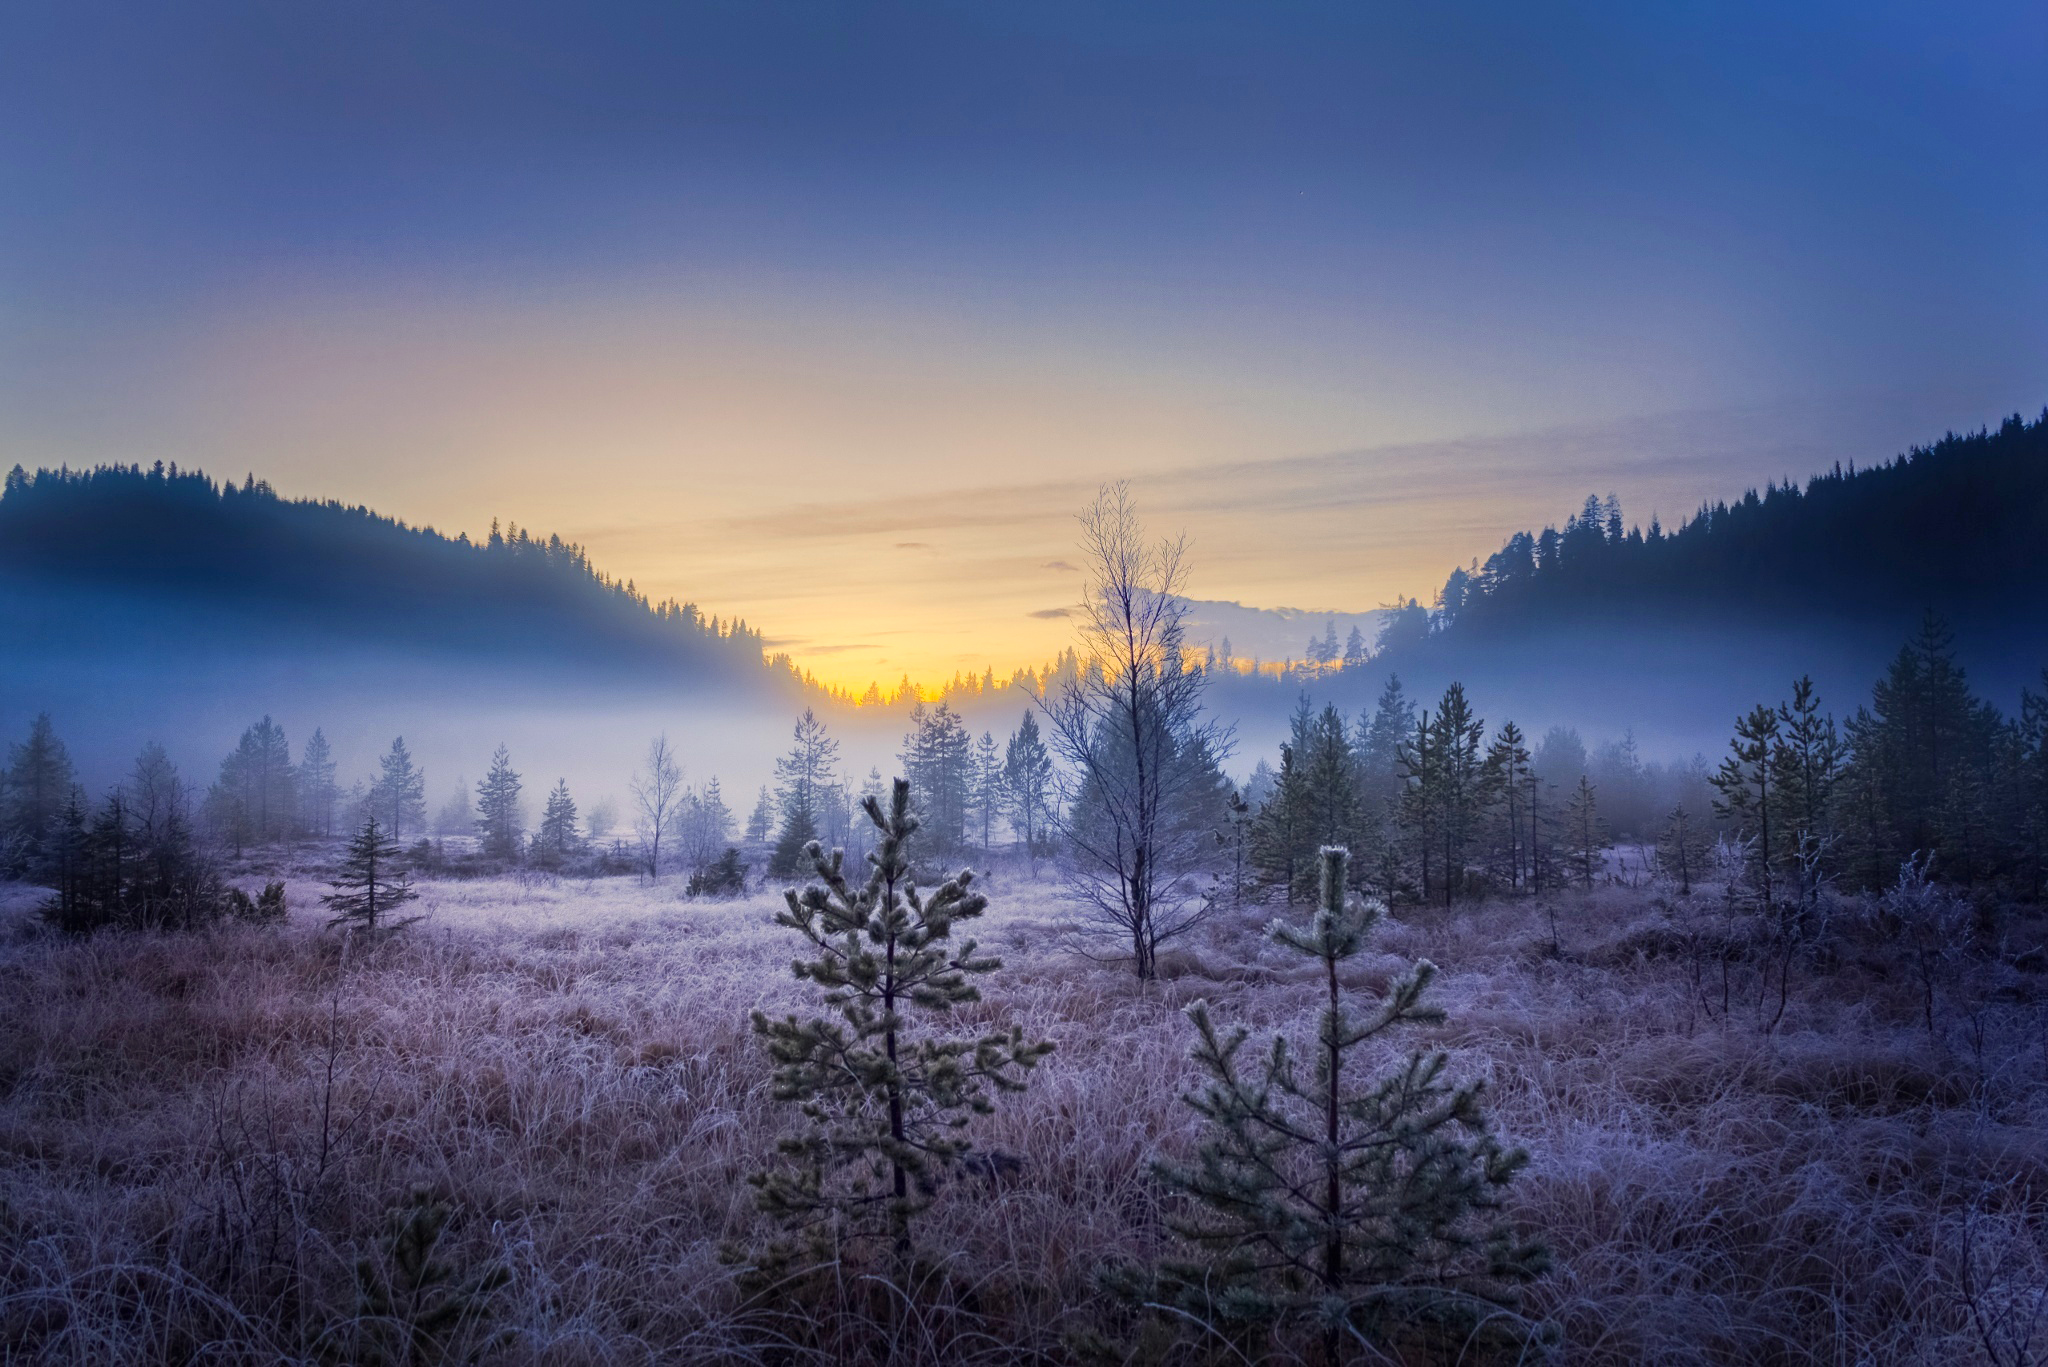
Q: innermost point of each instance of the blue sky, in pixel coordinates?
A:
(728, 262)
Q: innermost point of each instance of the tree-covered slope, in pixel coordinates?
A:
(94, 558)
(1960, 527)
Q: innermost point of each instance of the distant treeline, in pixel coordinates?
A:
(342, 571)
(1925, 771)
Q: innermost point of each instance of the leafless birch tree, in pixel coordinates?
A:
(1130, 731)
(658, 792)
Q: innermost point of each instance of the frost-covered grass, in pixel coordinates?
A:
(200, 1136)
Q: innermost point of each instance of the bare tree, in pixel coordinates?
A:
(1129, 727)
(658, 792)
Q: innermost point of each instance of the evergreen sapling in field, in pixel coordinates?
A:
(885, 1092)
(1363, 1210)
(371, 884)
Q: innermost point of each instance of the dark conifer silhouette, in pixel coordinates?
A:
(371, 884)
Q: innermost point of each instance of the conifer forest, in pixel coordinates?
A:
(650, 716)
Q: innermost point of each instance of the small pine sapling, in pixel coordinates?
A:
(886, 1102)
(370, 884)
(1682, 853)
(1363, 1210)
(417, 1308)
(725, 876)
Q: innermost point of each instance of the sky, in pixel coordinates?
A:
(831, 316)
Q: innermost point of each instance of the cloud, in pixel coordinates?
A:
(1053, 612)
(1060, 565)
(913, 545)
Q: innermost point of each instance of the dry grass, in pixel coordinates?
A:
(200, 1136)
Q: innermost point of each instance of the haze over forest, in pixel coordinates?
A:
(163, 604)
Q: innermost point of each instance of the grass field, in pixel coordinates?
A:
(201, 1136)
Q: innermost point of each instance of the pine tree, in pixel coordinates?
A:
(1506, 778)
(886, 1100)
(1461, 783)
(1748, 793)
(419, 1308)
(497, 810)
(798, 834)
(988, 788)
(938, 761)
(1682, 852)
(1354, 649)
(1353, 1208)
(725, 876)
(33, 797)
(557, 840)
(400, 791)
(1808, 760)
(1585, 833)
(1027, 785)
(1315, 802)
(316, 787)
(370, 884)
(802, 775)
(762, 820)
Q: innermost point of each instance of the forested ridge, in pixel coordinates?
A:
(322, 568)
(1960, 526)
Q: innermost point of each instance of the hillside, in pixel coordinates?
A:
(305, 572)
(141, 605)
(1671, 632)
(1960, 526)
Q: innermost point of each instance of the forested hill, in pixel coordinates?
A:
(1959, 527)
(97, 559)
(1674, 631)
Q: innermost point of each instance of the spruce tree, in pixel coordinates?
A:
(988, 788)
(497, 809)
(1749, 795)
(798, 834)
(1506, 779)
(1419, 813)
(938, 761)
(1460, 778)
(1682, 852)
(1808, 759)
(1585, 833)
(803, 775)
(1356, 1208)
(316, 786)
(762, 820)
(1315, 801)
(725, 876)
(557, 840)
(886, 1092)
(38, 784)
(400, 791)
(370, 884)
(1027, 785)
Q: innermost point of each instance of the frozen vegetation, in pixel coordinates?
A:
(206, 1133)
